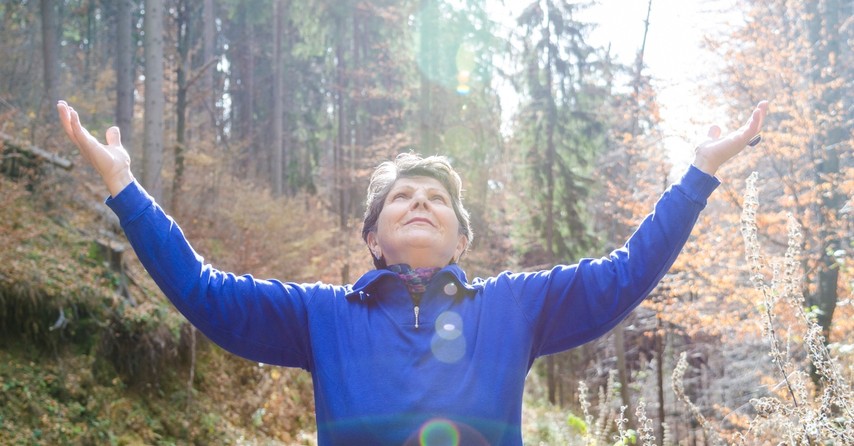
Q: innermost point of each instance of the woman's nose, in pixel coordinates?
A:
(419, 198)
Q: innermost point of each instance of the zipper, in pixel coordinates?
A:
(417, 310)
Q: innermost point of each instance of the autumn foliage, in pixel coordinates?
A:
(747, 340)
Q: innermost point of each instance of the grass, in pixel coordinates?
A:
(82, 362)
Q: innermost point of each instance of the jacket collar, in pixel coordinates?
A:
(365, 287)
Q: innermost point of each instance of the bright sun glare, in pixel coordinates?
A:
(680, 67)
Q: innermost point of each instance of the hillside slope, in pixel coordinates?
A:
(92, 353)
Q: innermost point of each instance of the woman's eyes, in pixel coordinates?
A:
(405, 196)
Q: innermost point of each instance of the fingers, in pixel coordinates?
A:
(65, 119)
(84, 138)
(76, 132)
(71, 124)
(750, 130)
(758, 117)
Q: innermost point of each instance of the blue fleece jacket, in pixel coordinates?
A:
(380, 380)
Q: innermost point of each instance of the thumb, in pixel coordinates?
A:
(114, 136)
(714, 132)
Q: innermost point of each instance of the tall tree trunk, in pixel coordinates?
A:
(249, 89)
(636, 84)
(551, 378)
(125, 51)
(154, 99)
(208, 53)
(429, 34)
(278, 109)
(619, 335)
(288, 99)
(362, 126)
(339, 163)
(183, 23)
(50, 55)
(242, 90)
(551, 118)
(622, 369)
(660, 339)
(91, 41)
(823, 30)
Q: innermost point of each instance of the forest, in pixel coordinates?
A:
(257, 123)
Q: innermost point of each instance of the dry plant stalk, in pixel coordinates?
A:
(585, 409)
(605, 413)
(647, 433)
(679, 390)
(827, 418)
(753, 254)
(621, 421)
(596, 433)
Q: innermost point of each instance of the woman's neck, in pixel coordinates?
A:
(416, 279)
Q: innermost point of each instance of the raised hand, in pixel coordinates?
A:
(711, 154)
(111, 160)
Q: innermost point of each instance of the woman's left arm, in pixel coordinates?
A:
(570, 305)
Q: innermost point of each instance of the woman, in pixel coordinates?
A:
(412, 352)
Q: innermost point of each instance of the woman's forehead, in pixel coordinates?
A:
(417, 182)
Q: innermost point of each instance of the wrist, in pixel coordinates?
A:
(705, 166)
(119, 182)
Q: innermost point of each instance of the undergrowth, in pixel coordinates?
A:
(59, 400)
(797, 411)
(90, 357)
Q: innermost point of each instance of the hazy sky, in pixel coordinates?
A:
(674, 56)
(680, 67)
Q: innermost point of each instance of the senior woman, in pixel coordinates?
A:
(412, 352)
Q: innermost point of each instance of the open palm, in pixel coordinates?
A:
(111, 160)
(711, 154)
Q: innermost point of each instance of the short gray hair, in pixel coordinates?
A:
(413, 165)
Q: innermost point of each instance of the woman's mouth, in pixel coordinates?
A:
(420, 220)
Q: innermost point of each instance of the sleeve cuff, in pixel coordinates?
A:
(697, 184)
(130, 202)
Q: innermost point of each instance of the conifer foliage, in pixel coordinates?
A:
(269, 116)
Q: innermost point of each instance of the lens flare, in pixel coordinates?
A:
(439, 433)
(463, 79)
(449, 325)
(465, 62)
(448, 345)
(437, 42)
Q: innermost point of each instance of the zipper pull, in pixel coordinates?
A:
(416, 310)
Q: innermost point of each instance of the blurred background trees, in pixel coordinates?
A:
(256, 124)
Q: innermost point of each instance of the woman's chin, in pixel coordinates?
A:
(424, 256)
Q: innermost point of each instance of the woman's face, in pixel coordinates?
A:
(417, 225)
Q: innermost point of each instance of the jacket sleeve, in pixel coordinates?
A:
(570, 305)
(261, 320)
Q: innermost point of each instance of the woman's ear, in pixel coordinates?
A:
(374, 246)
(462, 244)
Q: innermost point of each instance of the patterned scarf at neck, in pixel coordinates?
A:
(415, 279)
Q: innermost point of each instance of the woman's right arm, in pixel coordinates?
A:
(264, 321)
